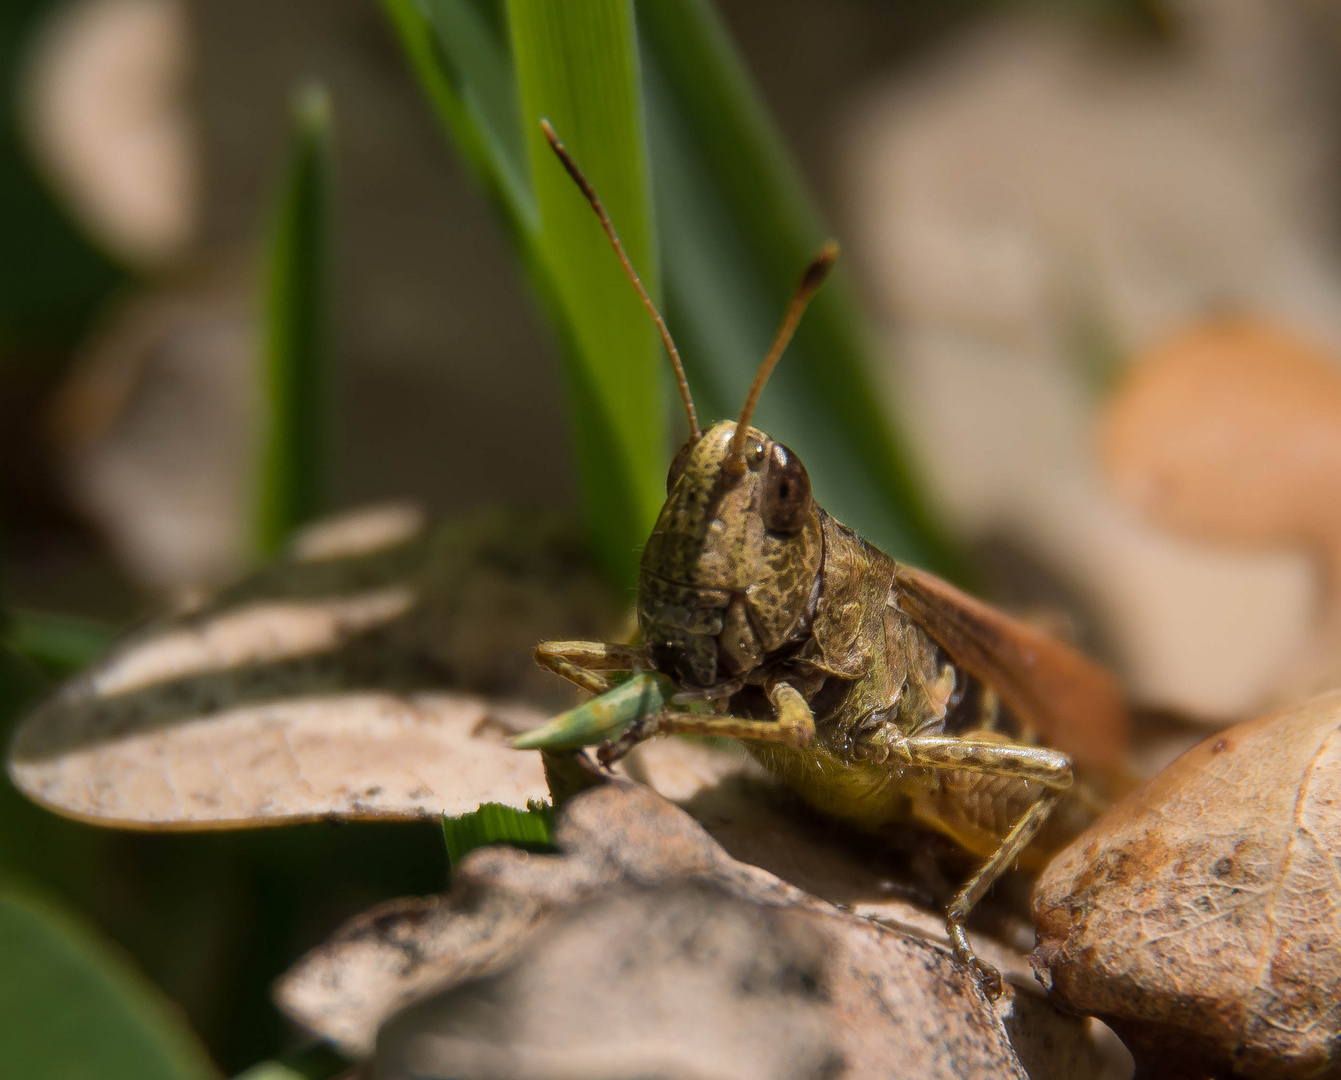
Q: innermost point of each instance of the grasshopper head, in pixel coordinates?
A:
(730, 573)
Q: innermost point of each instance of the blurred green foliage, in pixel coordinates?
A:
(577, 65)
(317, 1062)
(58, 645)
(70, 1008)
(296, 446)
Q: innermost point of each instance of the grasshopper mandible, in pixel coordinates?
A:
(879, 693)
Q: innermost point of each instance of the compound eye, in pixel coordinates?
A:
(678, 466)
(785, 500)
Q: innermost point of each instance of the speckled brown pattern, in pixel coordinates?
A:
(723, 599)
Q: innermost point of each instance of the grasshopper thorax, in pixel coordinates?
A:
(730, 574)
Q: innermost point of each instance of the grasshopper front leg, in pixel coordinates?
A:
(793, 726)
(586, 662)
(1049, 769)
(582, 662)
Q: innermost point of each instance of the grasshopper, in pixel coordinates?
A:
(881, 694)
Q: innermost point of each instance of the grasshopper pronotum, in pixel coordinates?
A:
(880, 693)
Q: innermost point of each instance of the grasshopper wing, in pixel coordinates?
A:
(1074, 704)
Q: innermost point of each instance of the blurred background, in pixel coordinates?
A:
(1098, 248)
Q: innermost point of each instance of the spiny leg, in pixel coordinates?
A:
(793, 726)
(956, 913)
(1049, 768)
(582, 662)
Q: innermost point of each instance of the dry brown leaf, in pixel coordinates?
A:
(1201, 917)
(895, 879)
(1121, 203)
(376, 672)
(686, 982)
(885, 996)
(347, 756)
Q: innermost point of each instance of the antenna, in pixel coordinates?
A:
(811, 280)
(584, 184)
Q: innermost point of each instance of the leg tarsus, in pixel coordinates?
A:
(976, 887)
(794, 715)
(642, 729)
(988, 977)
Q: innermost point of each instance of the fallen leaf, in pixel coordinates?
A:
(352, 756)
(896, 879)
(1201, 916)
(377, 672)
(884, 996)
(362, 532)
(102, 104)
(685, 981)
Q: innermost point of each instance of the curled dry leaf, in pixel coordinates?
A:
(105, 111)
(1201, 917)
(686, 980)
(340, 756)
(632, 864)
(897, 879)
(378, 671)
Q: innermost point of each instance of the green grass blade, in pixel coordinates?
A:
(738, 228)
(295, 456)
(478, 46)
(58, 644)
(460, 52)
(577, 64)
(494, 823)
(69, 1007)
(491, 72)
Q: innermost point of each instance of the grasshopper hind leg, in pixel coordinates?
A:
(984, 760)
(976, 888)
